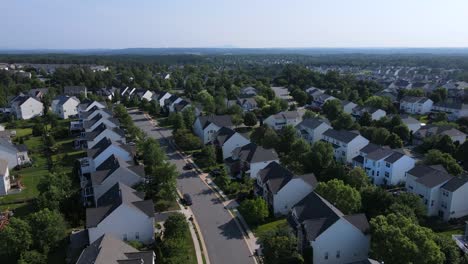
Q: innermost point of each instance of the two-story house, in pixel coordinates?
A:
(250, 159)
(103, 131)
(206, 127)
(282, 119)
(346, 144)
(348, 106)
(375, 113)
(5, 185)
(227, 140)
(453, 198)
(26, 107)
(281, 189)
(416, 105)
(65, 106)
(121, 212)
(97, 120)
(454, 110)
(15, 155)
(312, 129)
(383, 165)
(436, 130)
(88, 105)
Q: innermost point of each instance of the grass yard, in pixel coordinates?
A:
(449, 233)
(261, 230)
(191, 256)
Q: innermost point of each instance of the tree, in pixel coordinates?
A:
(332, 109)
(366, 119)
(176, 226)
(402, 131)
(409, 205)
(343, 196)
(250, 119)
(186, 140)
(344, 121)
(300, 96)
(449, 249)
(32, 257)
(207, 156)
(394, 141)
(287, 135)
(397, 239)
(357, 178)
(178, 121)
(375, 201)
(270, 138)
(320, 157)
(280, 247)
(435, 156)
(17, 235)
(462, 154)
(237, 120)
(255, 211)
(380, 102)
(445, 144)
(189, 116)
(54, 190)
(163, 182)
(174, 247)
(309, 114)
(49, 229)
(207, 100)
(153, 155)
(440, 117)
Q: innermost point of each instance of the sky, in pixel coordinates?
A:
(115, 24)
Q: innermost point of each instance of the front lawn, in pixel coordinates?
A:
(261, 230)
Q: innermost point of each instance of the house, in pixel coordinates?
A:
(121, 212)
(281, 189)
(38, 92)
(282, 119)
(348, 106)
(102, 151)
(247, 92)
(162, 97)
(103, 131)
(311, 129)
(416, 105)
(346, 144)
(314, 92)
(114, 170)
(172, 102)
(454, 110)
(375, 113)
(383, 165)
(400, 84)
(282, 93)
(206, 127)
(389, 93)
(247, 104)
(88, 105)
(75, 91)
(412, 123)
(332, 236)
(442, 194)
(15, 155)
(88, 115)
(107, 93)
(436, 130)
(26, 107)
(97, 120)
(109, 250)
(65, 106)
(250, 159)
(144, 94)
(321, 99)
(4, 177)
(228, 140)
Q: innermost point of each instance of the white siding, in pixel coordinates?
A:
(257, 166)
(232, 143)
(5, 182)
(294, 191)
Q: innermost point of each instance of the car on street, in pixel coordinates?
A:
(187, 199)
(188, 166)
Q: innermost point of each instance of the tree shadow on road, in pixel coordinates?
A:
(230, 230)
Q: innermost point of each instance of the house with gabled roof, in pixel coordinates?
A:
(227, 140)
(90, 114)
(416, 105)
(375, 113)
(65, 106)
(144, 94)
(97, 120)
(38, 92)
(121, 212)
(453, 198)
(26, 107)
(312, 129)
(5, 185)
(348, 106)
(247, 92)
(108, 249)
(454, 110)
(206, 127)
(162, 97)
(250, 159)
(436, 130)
(412, 123)
(15, 155)
(346, 144)
(88, 105)
(75, 90)
(102, 131)
(384, 165)
(321, 99)
(282, 189)
(318, 224)
(282, 119)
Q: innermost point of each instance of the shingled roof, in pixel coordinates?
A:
(275, 176)
(312, 123)
(341, 135)
(253, 153)
(104, 143)
(430, 176)
(101, 128)
(455, 183)
(219, 120)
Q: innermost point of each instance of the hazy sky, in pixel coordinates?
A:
(79, 24)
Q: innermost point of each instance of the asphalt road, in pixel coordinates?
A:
(223, 238)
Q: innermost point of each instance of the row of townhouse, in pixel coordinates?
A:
(424, 105)
(116, 212)
(11, 156)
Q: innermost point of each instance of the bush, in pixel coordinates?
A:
(186, 140)
(254, 211)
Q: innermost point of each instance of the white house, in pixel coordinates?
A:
(26, 107)
(97, 120)
(416, 105)
(145, 94)
(4, 177)
(346, 144)
(412, 123)
(88, 105)
(383, 165)
(332, 236)
(348, 106)
(282, 119)
(281, 189)
(110, 250)
(121, 212)
(162, 97)
(104, 112)
(171, 105)
(112, 171)
(453, 196)
(65, 106)
(248, 92)
(375, 113)
(435, 130)
(228, 140)
(250, 159)
(321, 99)
(454, 110)
(206, 127)
(312, 129)
(15, 155)
(102, 131)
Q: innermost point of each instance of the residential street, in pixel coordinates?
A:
(222, 236)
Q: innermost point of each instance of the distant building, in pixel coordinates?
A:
(416, 105)
(454, 110)
(206, 127)
(346, 144)
(75, 91)
(282, 119)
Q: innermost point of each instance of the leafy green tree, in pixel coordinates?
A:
(280, 247)
(366, 119)
(270, 138)
(332, 109)
(375, 201)
(435, 156)
(207, 156)
(397, 239)
(186, 140)
(380, 102)
(189, 116)
(49, 229)
(445, 144)
(320, 157)
(412, 203)
(402, 131)
(207, 100)
(32, 257)
(250, 119)
(287, 135)
(255, 211)
(343, 196)
(309, 114)
(178, 122)
(440, 117)
(237, 120)
(357, 178)
(462, 154)
(15, 237)
(344, 121)
(394, 141)
(54, 190)
(176, 226)
(300, 96)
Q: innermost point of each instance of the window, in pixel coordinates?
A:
(137, 236)
(432, 202)
(387, 164)
(378, 173)
(125, 237)
(425, 201)
(411, 187)
(338, 254)
(326, 255)
(387, 174)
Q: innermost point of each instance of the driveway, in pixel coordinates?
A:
(222, 236)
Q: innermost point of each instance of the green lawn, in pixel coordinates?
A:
(449, 233)
(191, 256)
(260, 230)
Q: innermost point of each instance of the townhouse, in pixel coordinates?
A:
(250, 159)
(88, 105)
(103, 131)
(248, 92)
(412, 123)
(206, 127)
(348, 106)
(346, 144)
(312, 129)
(318, 224)
(26, 107)
(75, 90)
(282, 119)
(383, 165)
(436, 130)
(416, 105)
(65, 106)
(97, 120)
(375, 113)
(5, 185)
(15, 155)
(281, 189)
(227, 140)
(454, 110)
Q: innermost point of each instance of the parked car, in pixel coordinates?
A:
(215, 172)
(188, 166)
(187, 199)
